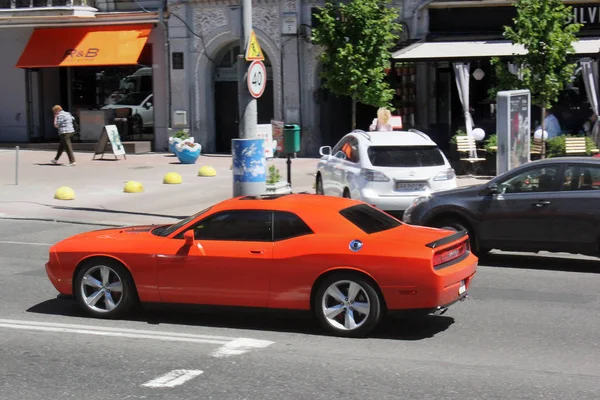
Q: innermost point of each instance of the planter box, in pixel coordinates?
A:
(279, 188)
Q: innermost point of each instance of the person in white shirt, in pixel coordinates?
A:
(551, 125)
(382, 122)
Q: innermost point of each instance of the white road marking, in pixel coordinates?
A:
(174, 378)
(240, 346)
(29, 243)
(229, 346)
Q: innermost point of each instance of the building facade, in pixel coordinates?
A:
(85, 55)
(463, 35)
(206, 36)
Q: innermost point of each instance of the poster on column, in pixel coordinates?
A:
(513, 129)
(265, 131)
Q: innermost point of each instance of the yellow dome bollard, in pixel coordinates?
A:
(64, 193)
(133, 187)
(172, 178)
(207, 170)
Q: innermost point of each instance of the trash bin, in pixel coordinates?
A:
(291, 138)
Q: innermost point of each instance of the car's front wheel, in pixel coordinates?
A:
(456, 225)
(348, 305)
(104, 289)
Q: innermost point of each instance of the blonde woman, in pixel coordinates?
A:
(382, 122)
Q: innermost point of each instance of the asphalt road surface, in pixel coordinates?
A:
(530, 330)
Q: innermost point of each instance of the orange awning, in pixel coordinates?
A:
(85, 46)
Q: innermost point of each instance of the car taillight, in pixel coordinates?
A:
(451, 253)
(372, 175)
(445, 175)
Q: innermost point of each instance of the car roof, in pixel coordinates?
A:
(288, 202)
(570, 159)
(411, 137)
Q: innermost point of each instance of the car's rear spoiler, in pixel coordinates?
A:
(448, 239)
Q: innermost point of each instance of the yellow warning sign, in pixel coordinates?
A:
(253, 50)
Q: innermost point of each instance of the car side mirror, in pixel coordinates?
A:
(148, 106)
(493, 188)
(189, 237)
(325, 150)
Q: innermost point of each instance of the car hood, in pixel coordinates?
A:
(464, 190)
(130, 232)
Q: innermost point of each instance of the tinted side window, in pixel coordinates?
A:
(369, 219)
(248, 226)
(540, 179)
(581, 177)
(289, 225)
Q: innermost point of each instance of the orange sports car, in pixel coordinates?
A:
(343, 259)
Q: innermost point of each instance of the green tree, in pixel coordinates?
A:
(357, 37)
(545, 30)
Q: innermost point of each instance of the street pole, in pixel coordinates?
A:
(248, 114)
(246, 182)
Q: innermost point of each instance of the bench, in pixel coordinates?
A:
(466, 145)
(535, 148)
(577, 146)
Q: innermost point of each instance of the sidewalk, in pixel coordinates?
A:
(98, 186)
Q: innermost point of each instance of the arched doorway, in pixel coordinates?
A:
(226, 98)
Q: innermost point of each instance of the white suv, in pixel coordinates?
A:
(385, 169)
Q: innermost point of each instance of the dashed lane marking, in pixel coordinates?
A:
(25, 243)
(174, 378)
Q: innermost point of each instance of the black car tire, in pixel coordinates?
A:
(123, 301)
(456, 225)
(367, 293)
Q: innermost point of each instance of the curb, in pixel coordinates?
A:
(64, 221)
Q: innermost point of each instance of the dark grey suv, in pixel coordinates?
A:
(551, 205)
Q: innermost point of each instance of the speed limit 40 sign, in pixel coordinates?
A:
(257, 78)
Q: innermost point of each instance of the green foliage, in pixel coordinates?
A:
(273, 176)
(492, 141)
(543, 27)
(181, 135)
(357, 37)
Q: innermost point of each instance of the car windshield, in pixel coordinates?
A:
(405, 156)
(133, 99)
(369, 219)
(166, 230)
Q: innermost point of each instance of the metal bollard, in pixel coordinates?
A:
(17, 165)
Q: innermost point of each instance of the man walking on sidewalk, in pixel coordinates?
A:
(63, 121)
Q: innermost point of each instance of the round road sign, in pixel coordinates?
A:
(257, 78)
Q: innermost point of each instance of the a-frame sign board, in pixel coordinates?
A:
(110, 133)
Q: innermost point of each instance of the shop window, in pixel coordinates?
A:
(177, 60)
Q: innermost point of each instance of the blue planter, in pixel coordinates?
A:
(187, 154)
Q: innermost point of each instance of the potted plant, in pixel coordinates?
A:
(274, 183)
(178, 137)
(187, 152)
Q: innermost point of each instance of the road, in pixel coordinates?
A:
(528, 331)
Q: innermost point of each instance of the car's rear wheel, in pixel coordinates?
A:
(347, 305)
(457, 226)
(319, 185)
(104, 289)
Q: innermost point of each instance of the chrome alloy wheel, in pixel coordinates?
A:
(346, 305)
(101, 289)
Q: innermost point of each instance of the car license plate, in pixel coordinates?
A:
(462, 288)
(409, 187)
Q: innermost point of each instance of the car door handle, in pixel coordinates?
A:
(256, 251)
(541, 203)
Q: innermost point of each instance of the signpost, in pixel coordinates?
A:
(110, 133)
(513, 129)
(257, 79)
(253, 50)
